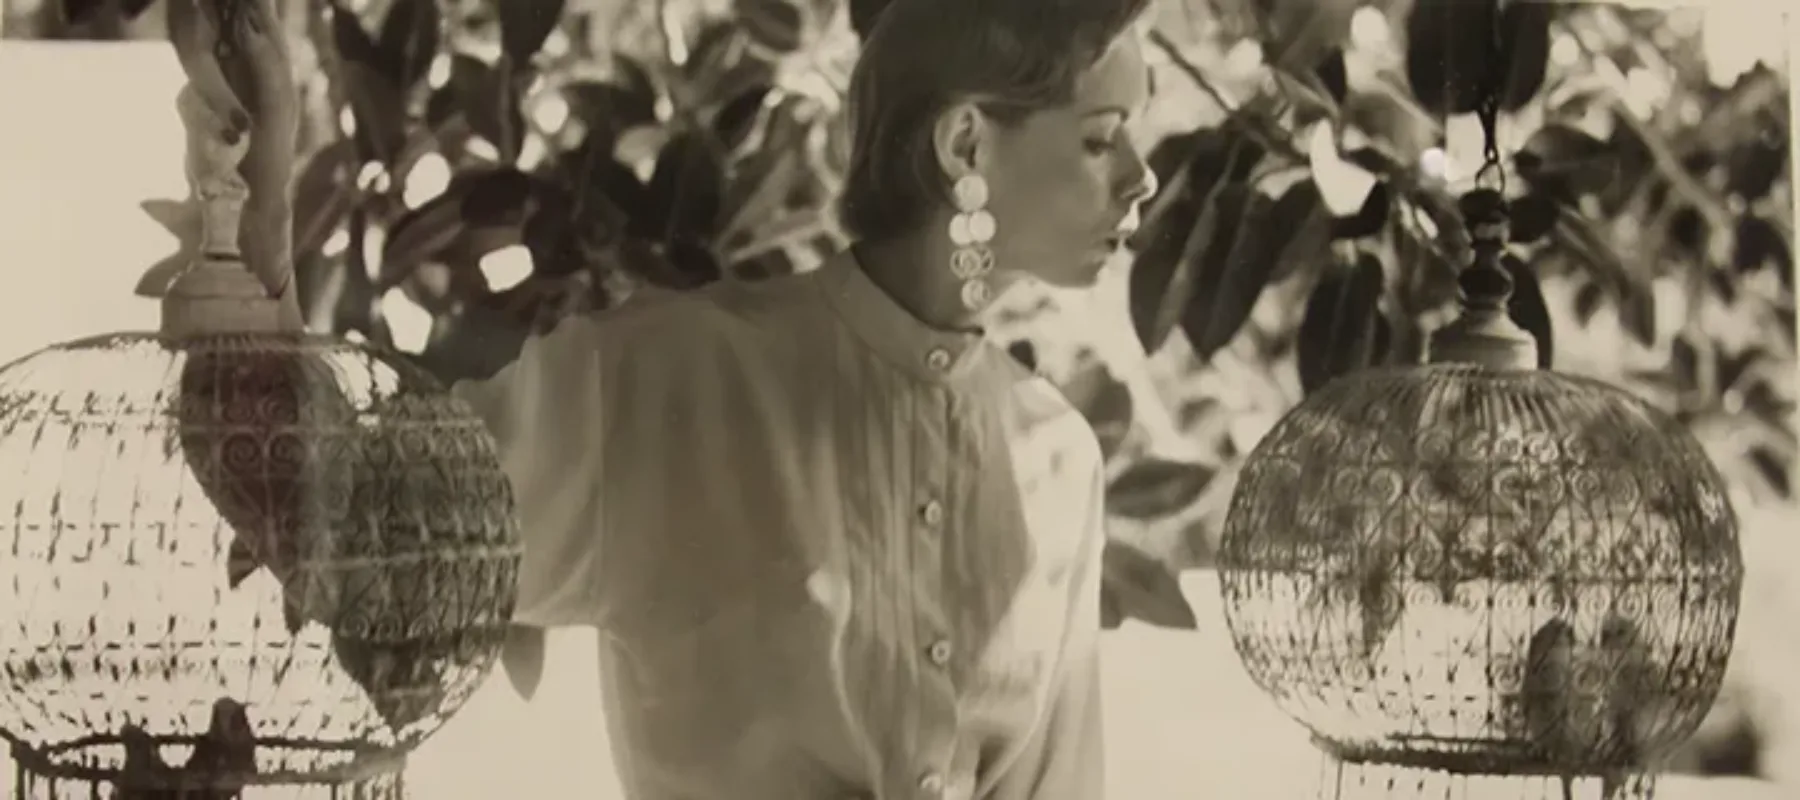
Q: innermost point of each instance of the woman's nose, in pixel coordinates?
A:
(1143, 184)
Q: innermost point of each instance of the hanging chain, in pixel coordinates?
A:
(1493, 173)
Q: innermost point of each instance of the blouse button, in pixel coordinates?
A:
(932, 783)
(932, 513)
(939, 652)
(938, 359)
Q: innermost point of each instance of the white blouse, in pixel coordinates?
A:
(833, 552)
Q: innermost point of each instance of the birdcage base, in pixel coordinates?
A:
(1347, 780)
(96, 768)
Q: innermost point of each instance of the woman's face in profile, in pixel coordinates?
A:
(1064, 182)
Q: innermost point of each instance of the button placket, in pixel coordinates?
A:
(934, 744)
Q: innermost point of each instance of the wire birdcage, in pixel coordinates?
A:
(242, 560)
(305, 529)
(1478, 572)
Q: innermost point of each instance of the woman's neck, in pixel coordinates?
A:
(915, 272)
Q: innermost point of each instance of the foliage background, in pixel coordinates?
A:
(473, 169)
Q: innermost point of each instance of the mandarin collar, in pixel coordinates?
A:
(884, 325)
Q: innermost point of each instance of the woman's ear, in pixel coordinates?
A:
(960, 140)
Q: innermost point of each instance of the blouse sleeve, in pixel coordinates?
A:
(1066, 758)
(544, 412)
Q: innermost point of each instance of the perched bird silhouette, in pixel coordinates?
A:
(222, 763)
(1559, 724)
(144, 766)
(1632, 704)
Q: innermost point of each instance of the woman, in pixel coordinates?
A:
(838, 544)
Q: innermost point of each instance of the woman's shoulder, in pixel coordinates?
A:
(736, 324)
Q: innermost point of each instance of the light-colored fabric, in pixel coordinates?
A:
(833, 553)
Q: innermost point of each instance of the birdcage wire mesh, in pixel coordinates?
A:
(1397, 541)
(306, 527)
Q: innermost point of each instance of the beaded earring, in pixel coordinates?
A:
(971, 231)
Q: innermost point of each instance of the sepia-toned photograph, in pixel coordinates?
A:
(898, 400)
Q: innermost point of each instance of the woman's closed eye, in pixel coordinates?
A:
(1103, 142)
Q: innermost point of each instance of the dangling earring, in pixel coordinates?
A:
(971, 231)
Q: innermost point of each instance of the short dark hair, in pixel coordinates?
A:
(1013, 57)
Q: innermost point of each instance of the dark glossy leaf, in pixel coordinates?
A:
(1369, 220)
(488, 96)
(1305, 224)
(351, 39)
(525, 24)
(1304, 33)
(608, 191)
(356, 306)
(682, 199)
(1688, 231)
(1203, 261)
(1399, 131)
(1637, 314)
(1560, 159)
(1578, 238)
(1156, 488)
(501, 196)
(1338, 330)
(1756, 165)
(522, 658)
(779, 25)
(1137, 585)
(736, 120)
(1333, 75)
(1233, 271)
(1735, 367)
(609, 109)
(1524, 51)
(1528, 310)
(324, 193)
(1173, 152)
(1227, 153)
(1182, 226)
(555, 236)
(1533, 216)
(1449, 53)
(1759, 244)
(863, 14)
(695, 261)
(1159, 247)
(1588, 299)
(375, 99)
(478, 213)
(409, 40)
(1111, 616)
(1373, 160)
(1684, 362)
(1774, 468)
(477, 343)
(422, 235)
(1105, 402)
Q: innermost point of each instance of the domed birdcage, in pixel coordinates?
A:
(242, 560)
(1478, 572)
